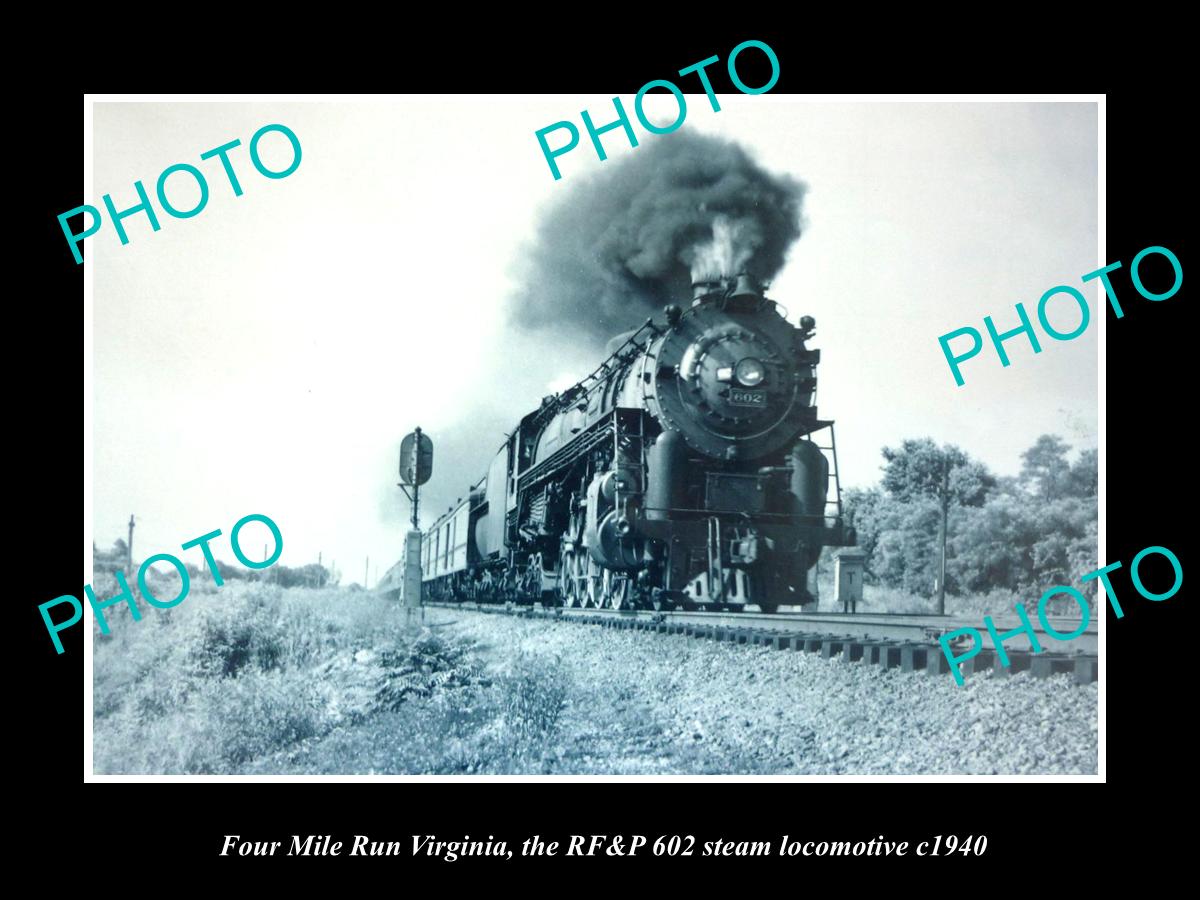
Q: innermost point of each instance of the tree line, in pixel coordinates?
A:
(1023, 533)
(114, 560)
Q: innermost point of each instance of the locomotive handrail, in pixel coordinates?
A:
(592, 436)
(781, 517)
(569, 394)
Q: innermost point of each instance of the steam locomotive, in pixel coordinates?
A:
(683, 472)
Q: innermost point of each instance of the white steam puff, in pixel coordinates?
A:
(733, 243)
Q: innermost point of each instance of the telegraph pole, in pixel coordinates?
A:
(367, 572)
(945, 516)
(129, 548)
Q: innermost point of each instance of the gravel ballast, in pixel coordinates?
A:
(645, 703)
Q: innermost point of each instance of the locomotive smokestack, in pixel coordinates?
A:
(704, 287)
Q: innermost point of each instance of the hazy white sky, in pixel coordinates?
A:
(267, 355)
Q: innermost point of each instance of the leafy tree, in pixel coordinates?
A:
(1084, 478)
(1045, 468)
(990, 544)
(311, 575)
(921, 470)
(1022, 534)
(228, 572)
(895, 535)
(862, 511)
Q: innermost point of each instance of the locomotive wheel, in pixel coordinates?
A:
(580, 564)
(660, 602)
(569, 586)
(532, 586)
(595, 582)
(620, 596)
(769, 608)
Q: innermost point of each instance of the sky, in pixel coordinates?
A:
(268, 354)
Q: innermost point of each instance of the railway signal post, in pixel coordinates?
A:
(416, 466)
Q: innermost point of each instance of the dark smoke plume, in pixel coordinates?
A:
(619, 246)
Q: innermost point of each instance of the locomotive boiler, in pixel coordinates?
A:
(684, 471)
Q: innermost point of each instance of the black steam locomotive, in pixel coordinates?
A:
(681, 472)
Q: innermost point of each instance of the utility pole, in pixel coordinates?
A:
(945, 498)
(367, 572)
(129, 549)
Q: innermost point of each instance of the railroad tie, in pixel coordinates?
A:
(1087, 669)
(936, 662)
(889, 655)
(872, 650)
(852, 650)
(980, 662)
(831, 646)
(913, 657)
(814, 643)
(1043, 665)
(1018, 661)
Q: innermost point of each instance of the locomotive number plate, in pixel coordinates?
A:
(747, 398)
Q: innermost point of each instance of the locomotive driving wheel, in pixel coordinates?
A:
(620, 593)
(595, 581)
(568, 586)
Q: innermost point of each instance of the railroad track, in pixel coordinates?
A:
(907, 642)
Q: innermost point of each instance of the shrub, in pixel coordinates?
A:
(534, 696)
(228, 677)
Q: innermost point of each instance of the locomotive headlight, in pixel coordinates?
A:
(750, 372)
